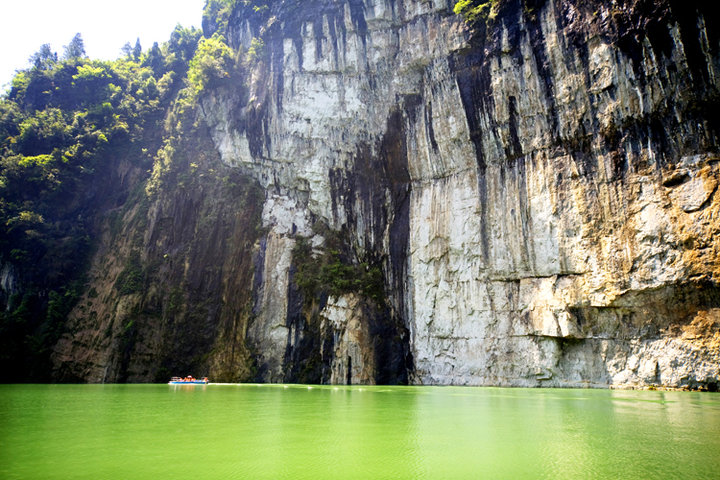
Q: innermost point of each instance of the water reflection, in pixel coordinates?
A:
(331, 432)
(567, 433)
(296, 432)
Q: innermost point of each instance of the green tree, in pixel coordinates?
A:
(64, 125)
(181, 47)
(127, 50)
(10, 118)
(42, 132)
(137, 50)
(44, 59)
(474, 11)
(213, 62)
(75, 49)
(154, 59)
(255, 52)
(216, 15)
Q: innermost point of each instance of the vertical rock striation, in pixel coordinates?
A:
(538, 194)
(541, 193)
(169, 281)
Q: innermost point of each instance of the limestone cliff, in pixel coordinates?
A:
(530, 201)
(169, 281)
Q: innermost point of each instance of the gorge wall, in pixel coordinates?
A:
(386, 195)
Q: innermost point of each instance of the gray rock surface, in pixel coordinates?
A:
(553, 224)
(540, 191)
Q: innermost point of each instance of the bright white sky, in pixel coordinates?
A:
(105, 26)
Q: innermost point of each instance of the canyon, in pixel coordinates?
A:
(388, 194)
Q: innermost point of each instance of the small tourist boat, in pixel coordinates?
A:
(189, 380)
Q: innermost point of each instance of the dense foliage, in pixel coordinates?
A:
(212, 63)
(334, 270)
(217, 13)
(476, 10)
(71, 130)
(65, 126)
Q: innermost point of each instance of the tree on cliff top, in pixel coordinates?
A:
(44, 59)
(213, 62)
(75, 49)
(64, 126)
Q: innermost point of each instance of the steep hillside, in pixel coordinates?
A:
(388, 191)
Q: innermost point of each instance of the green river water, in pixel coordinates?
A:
(326, 432)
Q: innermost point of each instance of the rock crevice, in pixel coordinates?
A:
(537, 194)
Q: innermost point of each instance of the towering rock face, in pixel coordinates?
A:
(529, 202)
(168, 285)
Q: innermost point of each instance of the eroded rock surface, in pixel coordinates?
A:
(540, 193)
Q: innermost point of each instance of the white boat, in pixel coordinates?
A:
(189, 380)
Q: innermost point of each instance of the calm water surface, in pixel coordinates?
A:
(296, 432)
